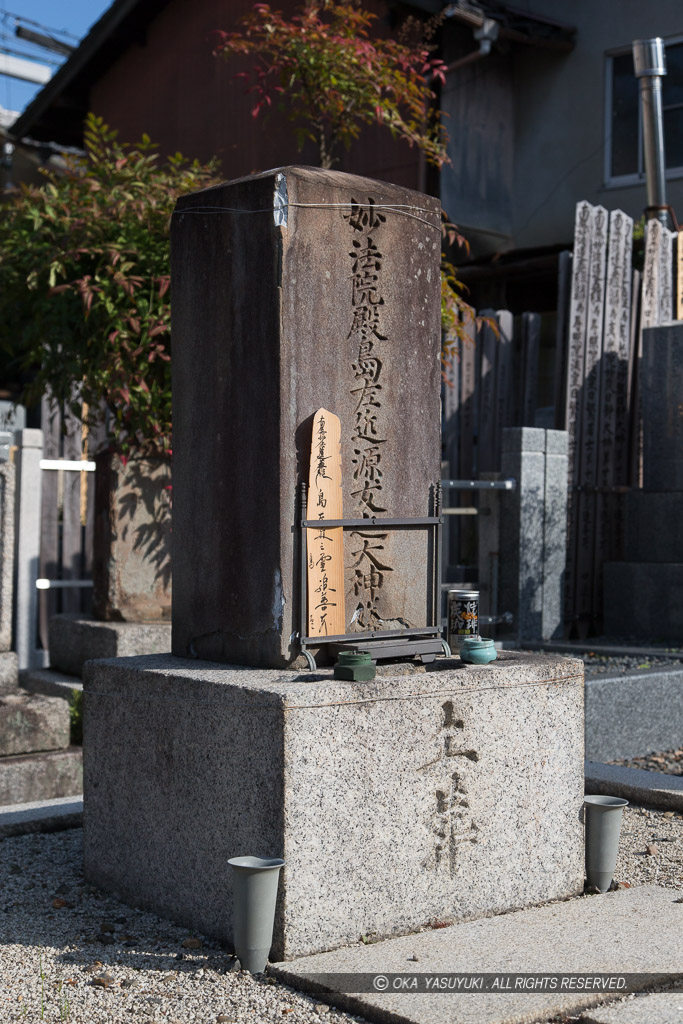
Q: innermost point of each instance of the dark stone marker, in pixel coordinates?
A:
(661, 368)
(293, 290)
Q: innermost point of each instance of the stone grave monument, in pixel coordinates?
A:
(432, 793)
(643, 596)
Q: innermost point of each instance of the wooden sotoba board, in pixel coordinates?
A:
(326, 613)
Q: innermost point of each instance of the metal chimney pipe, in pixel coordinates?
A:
(649, 62)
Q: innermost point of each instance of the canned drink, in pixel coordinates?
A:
(463, 616)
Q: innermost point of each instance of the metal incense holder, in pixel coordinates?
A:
(424, 642)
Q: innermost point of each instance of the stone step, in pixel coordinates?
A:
(41, 816)
(49, 682)
(657, 789)
(630, 931)
(655, 1008)
(9, 672)
(30, 777)
(30, 723)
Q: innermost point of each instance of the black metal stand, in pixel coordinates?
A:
(426, 641)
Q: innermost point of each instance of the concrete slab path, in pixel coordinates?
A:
(656, 1008)
(628, 931)
(657, 789)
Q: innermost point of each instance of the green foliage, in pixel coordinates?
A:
(84, 283)
(335, 79)
(459, 322)
(76, 716)
(639, 244)
(331, 77)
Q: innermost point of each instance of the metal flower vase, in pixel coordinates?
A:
(603, 824)
(254, 886)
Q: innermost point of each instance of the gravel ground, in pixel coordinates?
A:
(614, 665)
(72, 953)
(670, 762)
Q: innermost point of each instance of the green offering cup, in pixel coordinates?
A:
(477, 650)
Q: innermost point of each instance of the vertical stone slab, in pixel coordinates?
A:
(487, 406)
(564, 276)
(504, 380)
(531, 340)
(297, 289)
(661, 374)
(666, 297)
(521, 570)
(613, 403)
(468, 394)
(651, 275)
(6, 553)
(554, 534)
(27, 546)
(650, 312)
(590, 406)
(488, 548)
(451, 449)
(132, 539)
(624, 350)
(451, 411)
(578, 317)
(613, 429)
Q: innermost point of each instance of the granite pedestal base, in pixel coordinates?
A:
(435, 794)
(73, 640)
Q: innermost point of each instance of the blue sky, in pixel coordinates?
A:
(73, 16)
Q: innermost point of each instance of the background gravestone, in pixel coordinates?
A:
(644, 596)
(293, 290)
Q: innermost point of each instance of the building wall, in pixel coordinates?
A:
(560, 116)
(528, 127)
(169, 85)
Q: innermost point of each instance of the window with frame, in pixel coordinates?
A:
(624, 149)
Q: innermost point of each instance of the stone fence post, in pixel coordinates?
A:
(27, 546)
(534, 532)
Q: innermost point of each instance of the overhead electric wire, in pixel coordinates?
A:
(5, 15)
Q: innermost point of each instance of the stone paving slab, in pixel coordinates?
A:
(628, 931)
(41, 816)
(655, 1008)
(657, 789)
